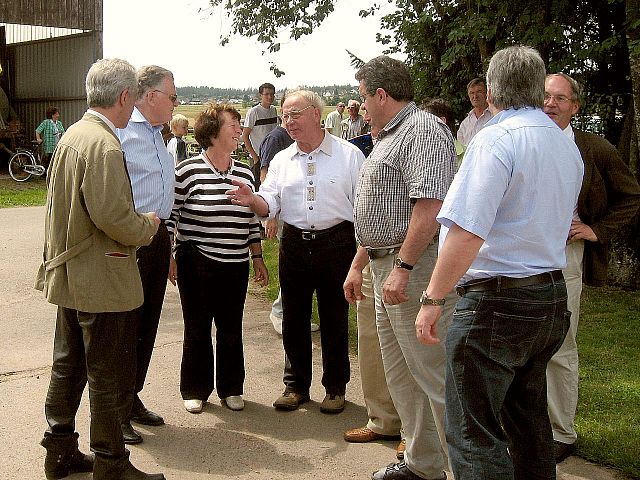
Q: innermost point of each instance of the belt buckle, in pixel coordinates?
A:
(308, 235)
(460, 290)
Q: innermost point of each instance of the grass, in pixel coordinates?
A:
(26, 194)
(608, 417)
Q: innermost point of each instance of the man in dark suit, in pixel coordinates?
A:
(89, 270)
(609, 199)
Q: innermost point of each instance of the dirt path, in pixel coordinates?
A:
(257, 443)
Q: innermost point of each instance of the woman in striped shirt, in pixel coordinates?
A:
(213, 240)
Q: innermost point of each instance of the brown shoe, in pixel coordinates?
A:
(364, 435)
(290, 400)
(402, 446)
(332, 404)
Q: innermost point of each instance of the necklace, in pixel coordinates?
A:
(222, 173)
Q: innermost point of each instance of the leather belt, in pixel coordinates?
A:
(381, 252)
(495, 284)
(316, 234)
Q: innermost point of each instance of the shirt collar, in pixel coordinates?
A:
(138, 117)
(485, 112)
(103, 118)
(569, 132)
(325, 146)
(408, 109)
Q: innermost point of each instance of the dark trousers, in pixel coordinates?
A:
(497, 350)
(211, 291)
(255, 168)
(319, 265)
(97, 348)
(153, 263)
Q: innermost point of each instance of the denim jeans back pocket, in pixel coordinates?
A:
(514, 338)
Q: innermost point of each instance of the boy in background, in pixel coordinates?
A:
(177, 146)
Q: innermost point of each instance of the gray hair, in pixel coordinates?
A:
(107, 79)
(576, 89)
(150, 77)
(389, 74)
(312, 97)
(516, 78)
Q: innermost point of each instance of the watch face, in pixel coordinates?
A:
(398, 262)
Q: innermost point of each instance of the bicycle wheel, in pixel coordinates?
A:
(17, 164)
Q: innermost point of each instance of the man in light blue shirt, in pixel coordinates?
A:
(151, 169)
(507, 214)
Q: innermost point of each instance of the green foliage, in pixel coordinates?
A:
(449, 43)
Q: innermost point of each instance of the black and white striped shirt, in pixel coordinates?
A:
(203, 215)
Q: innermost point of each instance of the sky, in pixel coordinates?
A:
(175, 35)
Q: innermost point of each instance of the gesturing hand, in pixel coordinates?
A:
(243, 195)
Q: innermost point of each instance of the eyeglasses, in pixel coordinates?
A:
(294, 114)
(559, 99)
(173, 98)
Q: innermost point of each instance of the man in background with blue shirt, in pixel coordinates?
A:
(151, 169)
(505, 223)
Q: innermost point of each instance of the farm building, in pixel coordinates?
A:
(46, 49)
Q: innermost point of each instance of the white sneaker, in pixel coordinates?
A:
(277, 323)
(315, 327)
(234, 402)
(193, 406)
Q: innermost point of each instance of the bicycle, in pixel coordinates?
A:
(24, 163)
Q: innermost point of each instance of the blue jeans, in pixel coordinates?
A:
(497, 347)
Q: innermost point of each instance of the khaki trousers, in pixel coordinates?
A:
(383, 417)
(414, 371)
(562, 369)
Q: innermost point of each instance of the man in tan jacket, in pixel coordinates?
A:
(89, 270)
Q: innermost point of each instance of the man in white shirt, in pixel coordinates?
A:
(333, 120)
(311, 185)
(479, 114)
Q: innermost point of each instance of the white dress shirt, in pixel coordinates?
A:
(316, 190)
(472, 125)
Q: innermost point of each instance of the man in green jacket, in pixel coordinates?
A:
(89, 270)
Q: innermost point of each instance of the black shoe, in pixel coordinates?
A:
(563, 450)
(63, 458)
(132, 473)
(398, 471)
(131, 436)
(146, 417)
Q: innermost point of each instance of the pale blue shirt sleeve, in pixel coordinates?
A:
(477, 189)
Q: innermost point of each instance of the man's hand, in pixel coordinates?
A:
(173, 270)
(243, 195)
(271, 228)
(261, 274)
(394, 291)
(154, 218)
(581, 231)
(426, 324)
(353, 286)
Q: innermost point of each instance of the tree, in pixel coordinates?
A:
(447, 43)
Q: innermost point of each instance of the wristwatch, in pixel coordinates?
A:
(400, 264)
(425, 300)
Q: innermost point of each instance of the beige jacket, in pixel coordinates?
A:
(91, 227)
